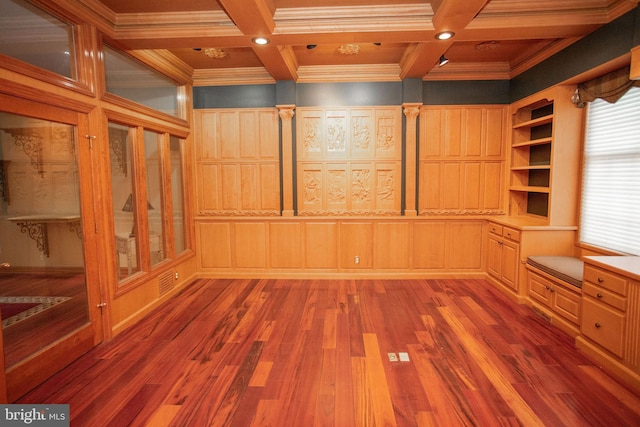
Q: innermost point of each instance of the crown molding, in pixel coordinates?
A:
(175, 24)
(167, 63)
(349, 73)
(232, 76)
(523, 64)
(470, 71)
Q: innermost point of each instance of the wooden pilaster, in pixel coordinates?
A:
(411, 111)
(286, 115)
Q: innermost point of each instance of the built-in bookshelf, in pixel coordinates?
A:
(545, 156)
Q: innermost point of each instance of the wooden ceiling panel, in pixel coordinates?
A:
(368, 53)
(233, 57)
(495, 37)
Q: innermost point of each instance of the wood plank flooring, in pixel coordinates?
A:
(314, 353)
(30, 335)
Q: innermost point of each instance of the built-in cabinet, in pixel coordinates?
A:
(502, 256)
(545, 156)
(556, 300)
(610, 327)
(510, 240)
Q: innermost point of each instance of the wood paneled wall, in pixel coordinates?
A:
(349, 166)
(325, 246)
(237, 162)
(462, 157)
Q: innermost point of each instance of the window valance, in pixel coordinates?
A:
(609, 87)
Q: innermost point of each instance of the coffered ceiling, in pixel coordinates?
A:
(379, 39)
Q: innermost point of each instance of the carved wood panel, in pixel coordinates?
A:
(349, 161)
(461, 160)
(237, 162)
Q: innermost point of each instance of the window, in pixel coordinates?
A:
(147, 190)
(34, 36)
(133, 80)
(611, 179)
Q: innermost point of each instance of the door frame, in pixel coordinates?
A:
(32, 371)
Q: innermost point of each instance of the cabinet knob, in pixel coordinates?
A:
(600, 280)
(551, 289)
(597, 325)
(509, 235)
(599, 295)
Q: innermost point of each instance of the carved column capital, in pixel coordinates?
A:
(286, 111)
(411, 110)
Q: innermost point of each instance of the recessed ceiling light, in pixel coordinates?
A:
(260, 40)
(445, 35)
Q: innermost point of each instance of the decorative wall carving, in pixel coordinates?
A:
(311, 136)
(349, 161)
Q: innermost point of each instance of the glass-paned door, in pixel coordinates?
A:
(125, 213)
(155, 200)
(43, 278)
(177, 193)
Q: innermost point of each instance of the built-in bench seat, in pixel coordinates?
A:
(564, 268)
(554, 289)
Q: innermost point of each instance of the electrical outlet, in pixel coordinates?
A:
(356, 259)
(392, 357)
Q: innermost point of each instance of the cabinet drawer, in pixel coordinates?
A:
(511, 234)
(539, 288)
(567, 304)
(495, 229)
(605, 296)
(605, 279)
(603, 325)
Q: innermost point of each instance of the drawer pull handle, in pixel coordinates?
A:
(599, 295)
(508, 234)
(600, 280)
(597, 325)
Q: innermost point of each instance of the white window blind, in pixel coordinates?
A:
(610, 213)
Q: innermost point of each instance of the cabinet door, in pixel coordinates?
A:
(494, 261)
(510, 264)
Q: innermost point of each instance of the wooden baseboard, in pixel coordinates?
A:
(609, 363)
(135, 317)
(508, 292)
(367, 275)
(565, 326)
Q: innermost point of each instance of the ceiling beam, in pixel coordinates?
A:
(450, 15)
(279, 61)
(252, 17)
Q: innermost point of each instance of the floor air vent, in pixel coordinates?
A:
(165, 282)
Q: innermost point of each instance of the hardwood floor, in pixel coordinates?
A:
(314, 352)
(29, 336)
